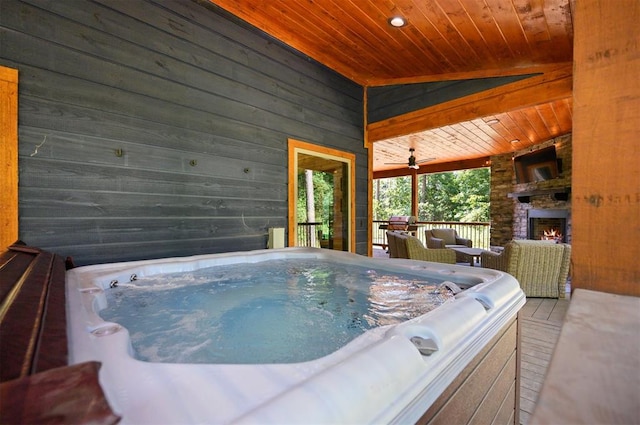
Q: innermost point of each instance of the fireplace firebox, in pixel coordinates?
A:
(547, 223)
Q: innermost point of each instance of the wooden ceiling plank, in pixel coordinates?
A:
(504, 144)
(491, 132)
(507, 135)
(352, 31)
(486, 25)
(441, 62)
(374, 33)
(514, 124)
(481, 138)
(467, 31)
(262, 16)
(431, 31)
(446, 147)
(314, 34)
(365, 30)
(396, 38)
(549, 119)
(431, 37)
(538, 130)
(509, 24)
(532, 18)
(563, 110)
(560, 26)
(531, 91)
(457, 45)
(468, 140)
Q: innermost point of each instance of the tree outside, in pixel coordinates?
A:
(319, 206)
(452, 196)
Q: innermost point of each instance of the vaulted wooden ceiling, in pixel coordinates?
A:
(443, 40)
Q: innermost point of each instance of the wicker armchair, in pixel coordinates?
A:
(413, 249)
(541, 267)
(397, 246)
(443, 238)
(447, 238)
(392, 243)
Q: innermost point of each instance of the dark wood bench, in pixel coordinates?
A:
(36, 385)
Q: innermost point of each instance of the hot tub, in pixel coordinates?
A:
(419, 369)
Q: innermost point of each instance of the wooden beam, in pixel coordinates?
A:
(551, 86)
(466, 164)
(481, 73)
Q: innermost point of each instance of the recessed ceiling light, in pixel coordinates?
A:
(397, 21)
(492, 121)
(514, 141)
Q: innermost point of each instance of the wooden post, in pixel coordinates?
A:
(606, 125)
(8, 157)
(414, 193)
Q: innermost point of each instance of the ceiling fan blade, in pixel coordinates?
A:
(412, 162)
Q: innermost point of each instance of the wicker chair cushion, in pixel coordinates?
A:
(447, 235)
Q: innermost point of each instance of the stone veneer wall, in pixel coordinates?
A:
(508, 215)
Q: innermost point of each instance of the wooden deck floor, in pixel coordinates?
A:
(541, 320)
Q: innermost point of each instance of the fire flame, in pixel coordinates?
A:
(552, 235)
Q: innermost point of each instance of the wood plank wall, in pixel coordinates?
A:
(390, 101)
(159, 128)
(606, 175)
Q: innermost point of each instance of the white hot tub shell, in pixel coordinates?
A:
(380, 377)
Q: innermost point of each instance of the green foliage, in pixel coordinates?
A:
(391, 197)
(322, 195)
(453, 196)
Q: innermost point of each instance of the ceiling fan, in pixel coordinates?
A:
(412, 163)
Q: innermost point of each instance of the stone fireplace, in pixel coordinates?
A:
(517, 210)
(547, 223)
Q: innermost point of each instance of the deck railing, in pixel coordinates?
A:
(310, 234)
(478, 231)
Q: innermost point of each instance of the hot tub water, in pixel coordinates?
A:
(280, 311)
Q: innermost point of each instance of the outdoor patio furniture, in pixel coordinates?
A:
(392, 244)
(397, 247)
(541, 267)
(447, 238)
(410, 247)
(404, 223)
(470, 254)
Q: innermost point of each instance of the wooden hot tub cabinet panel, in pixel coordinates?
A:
(487, 390)
(36, 385)
(32, 312)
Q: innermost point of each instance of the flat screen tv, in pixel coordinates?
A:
(537, 166)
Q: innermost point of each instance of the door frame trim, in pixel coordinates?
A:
(294, 148)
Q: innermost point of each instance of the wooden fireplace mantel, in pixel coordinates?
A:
(558, 193)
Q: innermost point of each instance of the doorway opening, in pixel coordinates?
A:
(321, 197)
